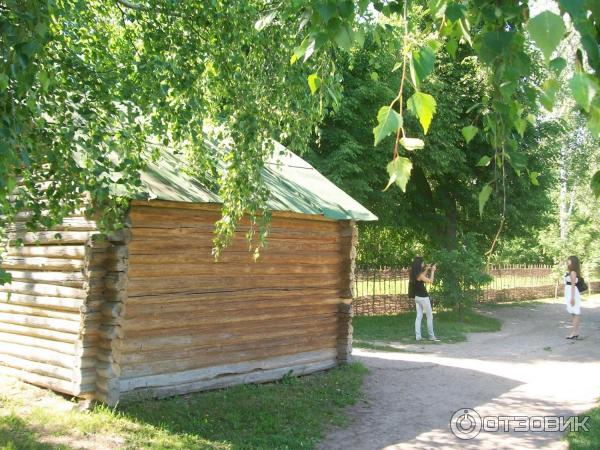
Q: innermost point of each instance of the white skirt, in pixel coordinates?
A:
(576, 308)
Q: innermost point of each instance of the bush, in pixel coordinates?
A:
(461, 275)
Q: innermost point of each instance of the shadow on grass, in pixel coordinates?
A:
(15, 434)
(448, 327)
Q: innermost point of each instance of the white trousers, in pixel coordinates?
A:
(423, 304)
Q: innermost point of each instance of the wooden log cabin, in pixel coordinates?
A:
(148, 312)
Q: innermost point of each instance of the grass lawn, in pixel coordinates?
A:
(587, 440)
(290, 414)
(401, 327)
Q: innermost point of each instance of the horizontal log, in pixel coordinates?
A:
(64, 326)
(285, 258)
(172, 320)
(52, 237)
(217, 207)
(43, 290)
(50, 382)
(245, 343)
(239, 295)
(67, 224)
(42, 263)
(66, 348)
(196, 284)
(147, 216)
(187, 328)
(223, 269)
(217, 372)
(36, 354)
(59, 303)
(199, 234)
(217, 334)
(42, 333)
(229, 305)
(218, 357)
(62, 373)
(40, 312)
(239, 247)
(71, 279)
(49, 251)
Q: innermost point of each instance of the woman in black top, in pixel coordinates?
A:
(418, 291)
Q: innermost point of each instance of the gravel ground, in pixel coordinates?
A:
(527, 369)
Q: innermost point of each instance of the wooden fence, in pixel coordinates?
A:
(385, 290)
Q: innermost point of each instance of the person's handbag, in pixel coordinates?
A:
(581, 285)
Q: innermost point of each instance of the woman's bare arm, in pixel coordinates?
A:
(424, 278)
(573, 282)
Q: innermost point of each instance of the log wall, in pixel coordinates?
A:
(189, 323)
(50, 312)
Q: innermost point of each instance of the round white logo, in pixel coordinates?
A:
(465, 423)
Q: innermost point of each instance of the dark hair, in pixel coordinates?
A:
(416, 268)
(575, 265)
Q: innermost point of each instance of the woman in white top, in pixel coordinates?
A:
(572, 294)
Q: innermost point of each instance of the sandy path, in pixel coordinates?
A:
(527, 369)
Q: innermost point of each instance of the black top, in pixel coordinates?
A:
(417, 289)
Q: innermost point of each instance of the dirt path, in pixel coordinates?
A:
(527, 369)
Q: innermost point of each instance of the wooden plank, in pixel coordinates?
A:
(43, 290)
(162, 321)
(48, 251)
(195, 284)
(219, 357)
(65, 304)
(215, 372)
(42, 263)
(65, 326)
(40, 312)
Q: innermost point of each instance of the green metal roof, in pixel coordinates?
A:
(295, 186)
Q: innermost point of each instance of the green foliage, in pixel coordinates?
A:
(547, 30)
(88, 91)
(461, 275)
(399, 171)
(388, 122)
(423, 106)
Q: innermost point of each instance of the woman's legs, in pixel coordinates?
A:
(418, 319)
(575, 321)
(429, 314)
